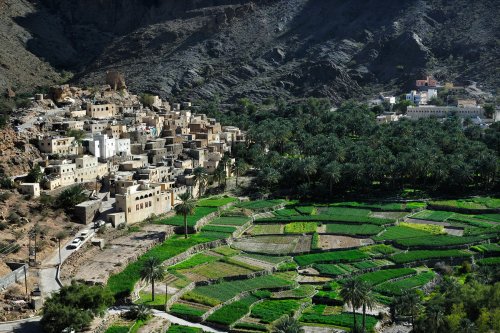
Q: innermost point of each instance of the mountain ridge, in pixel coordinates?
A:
(202, 49)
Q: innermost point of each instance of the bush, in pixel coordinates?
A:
(64, 309)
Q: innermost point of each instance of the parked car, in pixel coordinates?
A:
(84, 234)
(75, 243)
(98, 224)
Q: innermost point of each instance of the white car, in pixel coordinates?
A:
(84, 234)
(75, 243)
(98, 224)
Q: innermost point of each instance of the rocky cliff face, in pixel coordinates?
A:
(266, 48)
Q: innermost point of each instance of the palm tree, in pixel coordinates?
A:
(151, 272)
(139, 312)
(409, 304)
(185, 208)
(331, 174)
(220, 173)
(200, 178)
(352, 293)
(367, 300)
(239, 168)
(287, 325)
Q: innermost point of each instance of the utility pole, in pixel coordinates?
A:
(59, 243)
(25, 280)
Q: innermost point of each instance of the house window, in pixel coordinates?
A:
(137, 207)
(130, 210)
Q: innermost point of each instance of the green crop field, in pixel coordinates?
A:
(174, 328)
(487, 248)
(336, 256)
(469, 220)
(122, 284)
(266, 229)
(216, 270)
(316, 315)
(489, 217)
(350, 219)
(286, 212)
(440, 241)
(345, 211)
(473, 203)
(302, 291)
(251, 326)
(489, 261)
(378, 277)
(216, 202)
(301, 228)
(217, 228)
(232, 312)
(265, 258)
(197, 259)
(230, 220)
(178, 220)
(306, 210)
(271, 310)
(401, 232)
(433, 215)
(410, 256)
(398, 287)
(184, 310)
(353, 229)
(390, 206)
(334, 269)
(379, 249)
(216, 293)
(260, 204)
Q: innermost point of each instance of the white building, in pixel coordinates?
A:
(103, 147)
(122, 146)
(421, 98)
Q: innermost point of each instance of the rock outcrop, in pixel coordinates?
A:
(262, 48)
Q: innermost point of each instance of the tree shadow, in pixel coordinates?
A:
(29, 327)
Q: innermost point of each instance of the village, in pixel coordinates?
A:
(109, 169)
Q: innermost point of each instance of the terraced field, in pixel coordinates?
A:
(299, 256)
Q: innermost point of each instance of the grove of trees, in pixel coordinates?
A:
(309, 149)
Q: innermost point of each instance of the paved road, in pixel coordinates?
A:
(30, 325)
(48, 282)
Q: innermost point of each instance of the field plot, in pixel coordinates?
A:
(266, 229)
(473, 203)
(271, 310)
(489, 261)
(433, 215)
(334, 269)
(301, 228)
(437, 241)
(217, 293)
(331, 242)
(487, 248)
(178, 220)
(214, 270)
(188, 310)
(197, 259)
(333, 257)
(418, 255)
(381, 276)
(232, 312)
(401, 232)
(353, 229)
(489, 217)
(306, 210)
(398, 287)
(389, 215)
(327, 218)
(216, 201)
(274, 244)
(390, 206)
(286, 212)
(219, 228)
(470, 220)
(302, 291)
(230, 220)
(324, 315)
(260, 204)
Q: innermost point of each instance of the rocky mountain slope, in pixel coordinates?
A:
(257, 49)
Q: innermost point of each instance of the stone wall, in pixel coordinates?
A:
(15, 276)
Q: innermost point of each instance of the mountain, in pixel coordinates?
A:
(258, 49)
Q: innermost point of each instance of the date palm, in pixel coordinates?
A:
(287, 325)
(352, 293)
(185, 208)
(409, 303)
(200, 178)
(152, 271)
(367, 301)
(239, 168)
